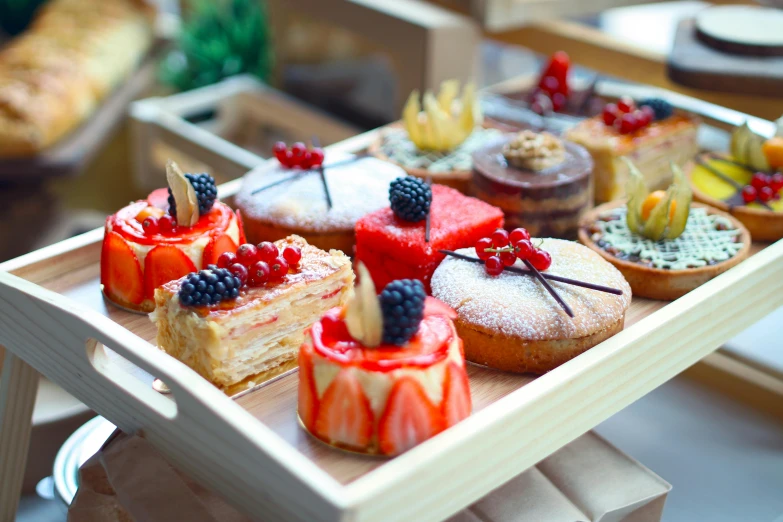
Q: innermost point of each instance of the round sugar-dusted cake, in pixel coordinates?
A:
(510, 322)
(276, 201)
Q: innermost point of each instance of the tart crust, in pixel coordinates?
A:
(763, 225)
(658, 283)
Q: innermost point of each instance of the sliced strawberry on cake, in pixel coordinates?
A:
(384, 373)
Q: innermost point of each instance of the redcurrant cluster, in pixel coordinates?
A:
(298, 156)
(258, 265)
(763, 187)
(552, 91)
(626, 117)
(165, 224)
(503, 249)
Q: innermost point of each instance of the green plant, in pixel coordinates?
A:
(220, 38)
(15, 15)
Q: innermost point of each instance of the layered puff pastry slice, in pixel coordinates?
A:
(242, 340)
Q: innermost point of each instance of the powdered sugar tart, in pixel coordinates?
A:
(712, 242)
(357, 186)
(510, 321)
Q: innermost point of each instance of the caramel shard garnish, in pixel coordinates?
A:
(184, 195)
(363, 312)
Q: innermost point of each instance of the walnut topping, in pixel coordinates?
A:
(534, 151)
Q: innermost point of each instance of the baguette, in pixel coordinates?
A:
(73, 55)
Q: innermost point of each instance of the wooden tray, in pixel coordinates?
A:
(252, 450)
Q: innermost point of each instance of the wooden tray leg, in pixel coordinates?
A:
(18, 388)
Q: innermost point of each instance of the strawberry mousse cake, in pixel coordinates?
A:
(170, 234)
(238, 322)
(377, 380)
(392, 242)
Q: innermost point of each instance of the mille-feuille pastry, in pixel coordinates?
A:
(650, 133)
(539, 181)
(508, 320)
(170, 234)
(54, 75)
(437, 143)
(746, 183)
(234, 323)
(289, 197)
(384, 373)
(664, 245)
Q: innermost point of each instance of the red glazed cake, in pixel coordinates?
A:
(144, 247)
(387, 398)
(393, 248)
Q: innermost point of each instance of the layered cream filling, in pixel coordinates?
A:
(377, 384)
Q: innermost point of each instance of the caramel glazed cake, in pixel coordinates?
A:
(263, 328)
(510, 322)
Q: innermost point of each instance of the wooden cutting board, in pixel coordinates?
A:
(695, 64)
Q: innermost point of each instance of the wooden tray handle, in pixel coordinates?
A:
(63, 339)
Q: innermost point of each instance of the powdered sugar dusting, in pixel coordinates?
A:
(357, 188)
(518, 305)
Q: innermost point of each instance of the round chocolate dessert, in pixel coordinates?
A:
(541, 182)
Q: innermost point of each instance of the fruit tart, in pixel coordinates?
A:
(539, 180)
(509, 320)
(437, 143)
(314, 197)
(236, 322)
(747, 183)
(384, 373)
(650, 132)
(171, 233)
(393, 242)
(664, 245)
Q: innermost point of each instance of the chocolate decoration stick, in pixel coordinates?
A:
(551, 277)
(549, 288)
(731, 181)
(278, 182)
(321, 172)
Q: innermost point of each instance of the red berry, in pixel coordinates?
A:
(239, 271)
(759, 180)
(226, 259)
(776, 181)
(508, 258)
(298, 151)
(247, 254)
(259, 273)
(641, 119)
(524, 249)
(286, 159)
(559, 101)
(541, 260)
(150, 225)
(649, 114)
(627, 123)
(167, 223)
(518, 234)
(481, 245)
(267, 251)
(292, 254)
(306, 161)
(611, 113)
(626, 104)
(500, 238)
(279, 150)
(550, 84)
(749, 194)
(493, 265)
(278, 268)
(766, 194)
(316, 157)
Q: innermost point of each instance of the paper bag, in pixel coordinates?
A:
(588, 480)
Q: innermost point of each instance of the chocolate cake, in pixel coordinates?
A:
(548, 196)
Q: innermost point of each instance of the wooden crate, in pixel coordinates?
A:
(225, 129)
(252, 450)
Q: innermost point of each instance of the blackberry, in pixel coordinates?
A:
(206, 192)
(210, 286)
(402, 306)
(410, 198)
(660, 107)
